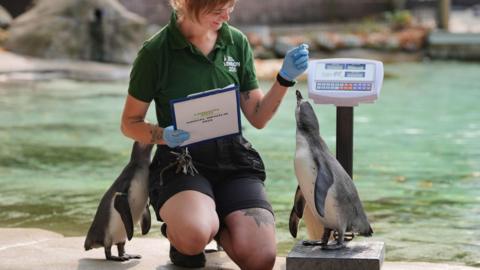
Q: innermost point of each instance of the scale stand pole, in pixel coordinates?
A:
(345, 138)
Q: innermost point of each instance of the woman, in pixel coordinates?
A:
(198, 51)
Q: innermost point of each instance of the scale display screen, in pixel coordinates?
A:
(344, 77)
(344, 81)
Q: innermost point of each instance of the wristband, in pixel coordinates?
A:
(284, 82)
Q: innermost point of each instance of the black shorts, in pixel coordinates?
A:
(231, 172)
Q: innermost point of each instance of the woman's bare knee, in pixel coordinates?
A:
(261, 260)
(191, 239)
(191, 221)
(256, 255)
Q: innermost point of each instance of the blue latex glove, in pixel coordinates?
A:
(295, 62)
(174, 138)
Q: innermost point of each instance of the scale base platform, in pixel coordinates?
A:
(356, 256)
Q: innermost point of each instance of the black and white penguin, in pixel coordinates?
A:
(124, 204)
(325, 190)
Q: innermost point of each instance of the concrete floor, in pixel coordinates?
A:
(40, 249)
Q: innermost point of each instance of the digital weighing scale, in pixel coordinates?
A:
(344, 82)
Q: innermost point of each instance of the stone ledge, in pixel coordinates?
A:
(15, 67)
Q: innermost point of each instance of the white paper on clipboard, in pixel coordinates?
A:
(208, 115)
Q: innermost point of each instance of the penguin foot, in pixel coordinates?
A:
(110, 257)
(125, 256)
(313, 243)
(348, 236)
(335, 246)
(131, 256)
(116, 258)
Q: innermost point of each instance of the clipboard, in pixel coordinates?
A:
(208, 115)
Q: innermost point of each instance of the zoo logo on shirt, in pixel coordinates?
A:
(230, 63)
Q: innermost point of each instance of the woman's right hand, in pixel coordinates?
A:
(295, 62)
(174, 138)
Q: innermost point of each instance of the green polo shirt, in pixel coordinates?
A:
(168, 66)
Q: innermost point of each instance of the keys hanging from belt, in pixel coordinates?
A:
(184, 162)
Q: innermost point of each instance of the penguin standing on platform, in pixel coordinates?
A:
(124, 204)
(325, 188)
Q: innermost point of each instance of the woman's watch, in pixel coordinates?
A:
(283, 82)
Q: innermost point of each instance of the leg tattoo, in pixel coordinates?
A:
(261, 216)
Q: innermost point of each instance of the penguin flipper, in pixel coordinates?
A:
(94, 237)
(299, 202)
(123, 208)
(323, 182)
(297, 212)
(146, 221)
(293, 223)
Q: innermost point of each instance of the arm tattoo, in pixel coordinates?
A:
(257, 107)
(246, 95)
(261, 216)
(156, 133)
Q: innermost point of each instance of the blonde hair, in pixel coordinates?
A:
(193, 8)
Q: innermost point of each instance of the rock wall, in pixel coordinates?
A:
(278, 12)
(273, 12)
(100, 30)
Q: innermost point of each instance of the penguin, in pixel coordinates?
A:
(325, 188)
(124, 204)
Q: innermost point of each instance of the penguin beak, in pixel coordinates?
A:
(299, 97)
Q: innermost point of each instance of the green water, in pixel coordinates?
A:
(416, 158)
